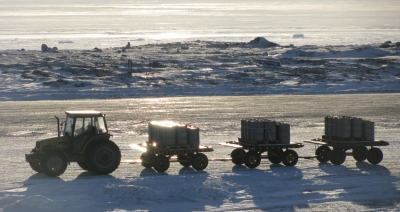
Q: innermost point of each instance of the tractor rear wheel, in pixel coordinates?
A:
(104, 157)
(83, 165)
(54, 164)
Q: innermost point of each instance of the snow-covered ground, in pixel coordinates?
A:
(196, 68)
(221, 186)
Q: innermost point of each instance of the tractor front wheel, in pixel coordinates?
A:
(54, 164)
(35, 165)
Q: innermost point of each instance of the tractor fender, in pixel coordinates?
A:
(93, 140)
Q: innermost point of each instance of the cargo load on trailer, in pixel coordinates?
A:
(261, 135)
(168, 139)
(348, 133)
(348, 128)
(262, 130)
(172, 134)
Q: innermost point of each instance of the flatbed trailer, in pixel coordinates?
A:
(160, 157)
(337, 155)
(252, 157)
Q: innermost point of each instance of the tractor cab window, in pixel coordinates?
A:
(68, 126)
(83, 126)
(100, 125)
(78, 126)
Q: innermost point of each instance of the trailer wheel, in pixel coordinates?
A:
(161, 163)
(147, 159)
(199, 161)
(322, 154)
(237, 156)
(252, 159)
(337, 156)
(360, 153)
(374, 156)
(275, 156)
(290, 157)
(54, 164)
(187, 157)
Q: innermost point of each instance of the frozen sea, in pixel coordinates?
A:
(87, 24)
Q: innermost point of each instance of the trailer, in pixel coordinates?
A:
(160, 157)
(337, 155)
(250, 152)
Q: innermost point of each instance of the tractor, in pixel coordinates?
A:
(85, 140)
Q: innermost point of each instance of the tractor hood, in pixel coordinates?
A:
(53, 142)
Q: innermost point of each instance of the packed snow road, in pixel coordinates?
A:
(221, 186)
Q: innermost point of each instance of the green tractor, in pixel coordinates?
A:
(85, 140)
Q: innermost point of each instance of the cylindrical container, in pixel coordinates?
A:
(193, 136)
(327, 125)
(331, 126)
(345, 127)
(336, 125)
(152, 132)
(270, 130)
(167, 135)
(245, 129)
(283, 133)
(249, 130)
(356, 128)
(368, 130)
(242, 129)
(257, 130)
(181, 135)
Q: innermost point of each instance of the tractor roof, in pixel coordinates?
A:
(84, 113)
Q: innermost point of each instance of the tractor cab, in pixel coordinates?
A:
(81, 126)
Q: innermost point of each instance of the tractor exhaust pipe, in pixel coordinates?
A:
(58, 125)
